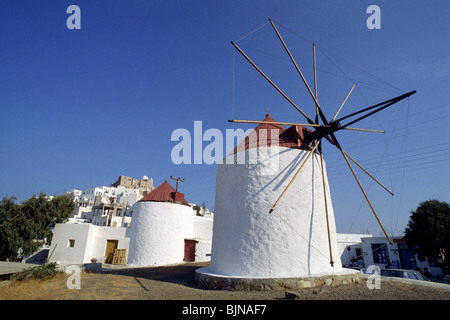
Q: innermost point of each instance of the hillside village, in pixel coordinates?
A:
(100, 225)
(113, 205)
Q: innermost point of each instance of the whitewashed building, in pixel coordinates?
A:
(85, 243)
(165, 230)
(292, 241)
(105, 206)
(159, 233)
(364, 250)
(350, 249)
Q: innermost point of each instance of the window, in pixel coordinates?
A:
(380, 253)
(71, 243)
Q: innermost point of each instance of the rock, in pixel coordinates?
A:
(304, 284)
(319, 282)
(291, 295)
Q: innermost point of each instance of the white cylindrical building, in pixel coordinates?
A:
(292, 241)
(162, 220)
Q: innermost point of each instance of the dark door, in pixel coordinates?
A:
(189, 249)
(407, 257)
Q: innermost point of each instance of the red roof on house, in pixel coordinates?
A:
(262, 136)
(165, 193)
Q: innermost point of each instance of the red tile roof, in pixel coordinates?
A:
(165, 193)
(262, 136)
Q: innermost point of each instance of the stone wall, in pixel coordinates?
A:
(210, 281)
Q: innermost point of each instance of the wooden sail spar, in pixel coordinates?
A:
(327, 129)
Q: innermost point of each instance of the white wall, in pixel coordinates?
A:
(157, 231)
(90, 242)
(348, 243)
(129, 196)
(291, 241)
(59, 248)
(83, 211)
(203, 250)
(203, 227)
(102, 234)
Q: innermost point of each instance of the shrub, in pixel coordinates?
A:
(46, 271)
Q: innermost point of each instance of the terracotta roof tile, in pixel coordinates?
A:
(165, 193)
(262, 136)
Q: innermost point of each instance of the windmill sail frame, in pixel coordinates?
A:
(328, 129)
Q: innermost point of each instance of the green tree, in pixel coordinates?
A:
(428, 231)
(197, 209)
(24, 225)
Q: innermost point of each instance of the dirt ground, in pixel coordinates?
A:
(177, 283)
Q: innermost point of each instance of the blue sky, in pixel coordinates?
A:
(81, 107)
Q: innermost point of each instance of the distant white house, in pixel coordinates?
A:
(85, 243)
(362, 250)
(104, 206)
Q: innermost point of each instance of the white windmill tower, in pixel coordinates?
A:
(274, 217)
(162, 220)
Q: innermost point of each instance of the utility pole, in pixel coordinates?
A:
(177, 180)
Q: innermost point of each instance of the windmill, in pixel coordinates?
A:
(322, 128)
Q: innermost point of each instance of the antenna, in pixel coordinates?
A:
(177, 180)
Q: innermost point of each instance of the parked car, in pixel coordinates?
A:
(404, 273)
(365, 271)
(445, 279)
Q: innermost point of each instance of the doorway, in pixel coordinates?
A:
(407, 256)
(111, 245)
(189, 249)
